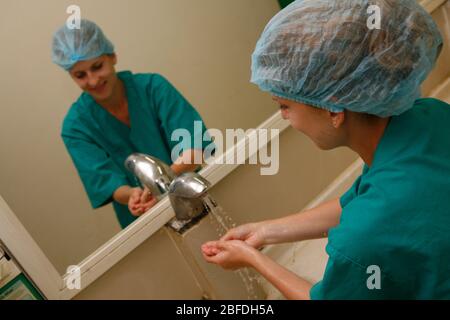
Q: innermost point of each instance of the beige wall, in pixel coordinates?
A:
(154, 270)
(202, 46)
(304, 172)
(442, 69)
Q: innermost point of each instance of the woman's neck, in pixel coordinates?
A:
(117, 102)
(365, 137)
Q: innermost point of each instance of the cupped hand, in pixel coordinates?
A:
(140, 201)
(232, 254)
(252, 233)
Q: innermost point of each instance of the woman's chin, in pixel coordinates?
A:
(323, 146)
(99, 96)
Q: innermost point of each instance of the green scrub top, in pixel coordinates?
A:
(396, 216)
(99, 143)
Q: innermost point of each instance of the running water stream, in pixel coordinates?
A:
(222, 223)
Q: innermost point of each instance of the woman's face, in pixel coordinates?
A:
(324, 128)
(96, 76)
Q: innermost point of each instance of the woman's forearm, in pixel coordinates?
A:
(181, 168)
(311, 224)
(288, 283)
(190, 160)
(122, 195)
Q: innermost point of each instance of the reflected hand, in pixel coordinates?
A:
(231, 255)
(140, 201)
(252, 233)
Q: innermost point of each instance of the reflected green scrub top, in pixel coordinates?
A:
(99, 143)
(396, 216)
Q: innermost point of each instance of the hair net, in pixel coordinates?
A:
(73, 45)
(322, 53)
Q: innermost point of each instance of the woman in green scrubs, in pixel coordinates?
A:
(343, 84)
(120, 113)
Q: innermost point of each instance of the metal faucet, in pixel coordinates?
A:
(151, 172)
(187, 192)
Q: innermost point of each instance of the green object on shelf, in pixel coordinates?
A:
(285, 3)
(20, 288)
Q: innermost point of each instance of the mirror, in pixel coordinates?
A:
(202, 47)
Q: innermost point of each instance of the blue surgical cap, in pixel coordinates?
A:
(73, 45)
(323, 53)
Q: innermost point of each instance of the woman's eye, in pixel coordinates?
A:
(97, 67)
(80, 76)
(283, 107)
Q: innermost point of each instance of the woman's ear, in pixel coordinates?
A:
(114, 58)
(337, 119)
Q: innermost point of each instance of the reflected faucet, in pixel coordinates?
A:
(151, 172)
(187, 192)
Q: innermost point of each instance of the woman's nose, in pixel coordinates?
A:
(92, 81)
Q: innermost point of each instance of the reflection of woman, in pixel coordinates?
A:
(344, 85)
(118, 114)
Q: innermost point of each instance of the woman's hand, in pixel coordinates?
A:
(140, 201)
(252, 233)
(233, 254)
